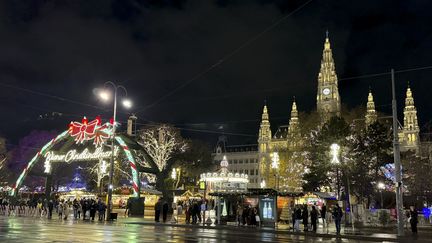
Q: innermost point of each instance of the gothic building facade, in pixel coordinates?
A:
(328, 105)
(256, 159)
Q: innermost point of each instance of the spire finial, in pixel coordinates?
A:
(294, 98)
(265, 101)
(408, 84)
(327, 34)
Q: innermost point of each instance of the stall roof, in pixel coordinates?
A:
(259, 191)
(151, 191)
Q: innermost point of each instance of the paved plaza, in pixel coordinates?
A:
(34, 229)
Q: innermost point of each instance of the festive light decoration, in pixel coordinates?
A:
(85, 155)
(225, 180)
(81, 132)
(89, 131)
(334, 152)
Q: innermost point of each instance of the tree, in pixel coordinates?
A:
(193, 162)
(320, 172)
(161, 143)
(371, 149)
(26, 149)
(291, 169)
(417, 173)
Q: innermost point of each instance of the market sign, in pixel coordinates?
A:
(85, 155)
(73, 155)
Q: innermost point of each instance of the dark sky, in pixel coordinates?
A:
(68, 48)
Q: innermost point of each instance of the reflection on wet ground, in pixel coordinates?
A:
(21, 229)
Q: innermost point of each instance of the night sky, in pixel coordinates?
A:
(53, 54)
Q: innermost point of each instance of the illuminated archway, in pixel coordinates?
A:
(83, 132)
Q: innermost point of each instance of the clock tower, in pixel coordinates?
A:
(328, 99)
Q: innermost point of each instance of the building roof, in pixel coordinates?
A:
(282, 132)
(240, 148)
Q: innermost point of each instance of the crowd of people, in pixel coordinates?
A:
(85, 208)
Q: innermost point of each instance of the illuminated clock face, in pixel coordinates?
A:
(326, 91)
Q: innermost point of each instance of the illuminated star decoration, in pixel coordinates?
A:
(86, 131)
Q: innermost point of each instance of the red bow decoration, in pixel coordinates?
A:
(100, 136)
(82, 131)
(89, 131)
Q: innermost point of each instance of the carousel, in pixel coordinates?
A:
(226, 182)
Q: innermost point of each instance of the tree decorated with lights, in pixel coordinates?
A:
(417, 172)
(321, 173)
(161, 143)
(370, 150)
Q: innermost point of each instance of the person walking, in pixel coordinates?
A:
(305, 216)
(93, 208)
(239, 215)
(203, 208)
(101, 210)
(298, 218)
(164, 211)
(413, 219)
(188, 213)
(75, 207)
(323, 215)
(314, 219)
(158, 207)
(50, 208)
(60, 209)
(66, 210)
(337, 215)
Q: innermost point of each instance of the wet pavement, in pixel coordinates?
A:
(34, 229)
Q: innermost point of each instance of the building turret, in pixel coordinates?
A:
(294, 134)
(328, 99)
(411, 129)
(371, 114)
(264, 136)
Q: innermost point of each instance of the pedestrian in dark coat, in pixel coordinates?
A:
(158, 208)
(323, 215)
(50, 208)
(314, 218)
(413, 219)
(93, 208)
(165, 211)
(337, 215)
(305, 216)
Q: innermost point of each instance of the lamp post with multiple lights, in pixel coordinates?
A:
(105, 95)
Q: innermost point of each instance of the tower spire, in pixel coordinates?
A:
(328, 99)
(265, 135)
(294, 126)
(371, 115)
(411, 129)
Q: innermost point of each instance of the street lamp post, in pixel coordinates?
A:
(105, 96)
(275, 166)
(381, 187)
(335, 151)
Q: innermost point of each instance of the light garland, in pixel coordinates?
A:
(96, 133)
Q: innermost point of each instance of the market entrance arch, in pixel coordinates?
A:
(94, 136)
